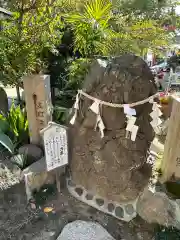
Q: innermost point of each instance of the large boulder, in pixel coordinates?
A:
(156, 207)
(114, 167)
(31, 151)
(81, 230)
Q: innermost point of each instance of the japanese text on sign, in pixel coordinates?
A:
(56, 147)
(40, 114)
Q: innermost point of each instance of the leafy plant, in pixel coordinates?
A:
(60, 114)
(91, 27)
(21, 160)
(6, 142)
(77, 71)
(32, 31)
(13, 128)
(18, 124)
(68, 76)
(103, 28)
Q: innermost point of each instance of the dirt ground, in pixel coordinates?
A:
(19, 222)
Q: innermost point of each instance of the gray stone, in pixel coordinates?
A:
(68, 175)
(119, 212)
(9, 175)
(158, 208)
(36, 176)
(111, 207)
(45, 236)
(89, 196)
(32, 151)
(81, 230)
(100, 202)
(92, 210)
(3, 101)
(79, 191)
(70, 183)
(129, 209)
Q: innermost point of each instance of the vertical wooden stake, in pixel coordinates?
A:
(37, 93)
(171, 159)
(58, 183)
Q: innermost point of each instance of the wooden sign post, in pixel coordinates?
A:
(171, 160)
(38, 104)
(56, 148)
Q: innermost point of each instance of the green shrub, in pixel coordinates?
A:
(70, 80)
(60, 114)
(18, 125)
(13, 128)
(78, 70)
(6, 142)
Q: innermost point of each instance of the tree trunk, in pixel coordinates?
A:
(18, 94)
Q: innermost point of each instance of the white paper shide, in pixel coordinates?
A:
(131, 119)
(56, 146)
(76, 108)
(155, 115)
(95, 107)
(129, 111)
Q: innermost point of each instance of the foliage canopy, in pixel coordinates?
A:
(100, 27)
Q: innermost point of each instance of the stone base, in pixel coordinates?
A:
(36, 176)
(124, 211)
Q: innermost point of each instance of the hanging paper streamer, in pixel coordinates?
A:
(134, 131)
(155, 115)
(100, 125)
(151, 100)
(131, 127)
(156, 109)
(76, 108)
(102, 63)
(130, 123)
(95, 107)
(129, 111)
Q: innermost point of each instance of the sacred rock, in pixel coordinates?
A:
(113, 168)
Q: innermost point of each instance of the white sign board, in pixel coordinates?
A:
(56, 146)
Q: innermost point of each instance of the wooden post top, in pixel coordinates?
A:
(37, 93)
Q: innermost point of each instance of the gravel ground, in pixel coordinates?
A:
(19, 222)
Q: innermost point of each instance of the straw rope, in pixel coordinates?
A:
(117, 105)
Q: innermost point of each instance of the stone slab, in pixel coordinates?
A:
(82, 230)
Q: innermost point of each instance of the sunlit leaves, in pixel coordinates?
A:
(91, 27)
(98, 31)
(35, 27)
